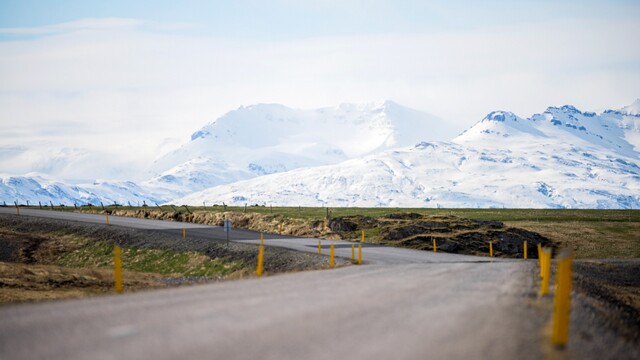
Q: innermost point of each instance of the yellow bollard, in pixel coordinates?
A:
(540, 258)
(107, 215)
(353, 252)
(525, 250)
(319, 248)
(261, 239)
(491, 248)
(117, 268)
(184, 233)
(362, 236)
(546, 271)
(332, 254)
(359, 254)
(562, 300)
(434, 245)
(260, 261)
(280, 228)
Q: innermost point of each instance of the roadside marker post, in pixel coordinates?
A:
(525, 250)
(540, 258)
(261, 239)
(562, 300)
(491, 248)
(184, 233)
(546, 271)
(360, 254)
(260, 261)
(227, 229)
(434, 245)
(362, 236)
(107, 218)
(117, 268)
(280, 228)
(332, 254)
(353, 252)
(319, 248)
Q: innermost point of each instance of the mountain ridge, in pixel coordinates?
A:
(561, 157)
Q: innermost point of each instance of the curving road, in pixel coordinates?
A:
(403, 304)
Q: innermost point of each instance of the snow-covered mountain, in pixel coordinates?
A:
(561, 157)
(263, 139)
(38, 188)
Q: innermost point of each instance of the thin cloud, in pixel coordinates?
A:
(130, 87)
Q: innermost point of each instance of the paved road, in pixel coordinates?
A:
(404, 304)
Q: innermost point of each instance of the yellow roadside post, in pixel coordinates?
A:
(319, 248)
(280, 228)
(540, 258)
(434, 245)
(525, 250)
(360, 254)
(107, 218)
(562, 300)
(546, 271)
(117, 268)
(353, 252)
(491, 248)
(362, 236)
(261, 239)
(332, 254)
(260, 261)
(184, 233)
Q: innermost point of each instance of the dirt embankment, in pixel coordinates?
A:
(47, 259)
(452, 234)
(269, 223)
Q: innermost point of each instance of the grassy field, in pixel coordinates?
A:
(590, 233)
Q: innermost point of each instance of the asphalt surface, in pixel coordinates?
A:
(402, 304)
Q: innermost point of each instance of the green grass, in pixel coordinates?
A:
(319, 213)
(590, 233)
(165, 262)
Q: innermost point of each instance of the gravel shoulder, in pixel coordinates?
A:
(606, 308)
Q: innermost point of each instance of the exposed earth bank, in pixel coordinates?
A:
(409, 230)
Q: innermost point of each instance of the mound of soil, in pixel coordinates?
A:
(452, 234)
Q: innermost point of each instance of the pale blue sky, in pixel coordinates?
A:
(286, 19)
(151, 72)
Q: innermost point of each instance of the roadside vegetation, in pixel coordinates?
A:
(590, 233)
(37, 265)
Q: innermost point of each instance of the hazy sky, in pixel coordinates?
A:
(123, 76)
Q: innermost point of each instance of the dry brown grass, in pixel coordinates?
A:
(591, 240)
(22, 282)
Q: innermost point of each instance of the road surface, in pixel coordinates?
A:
(403, 304)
